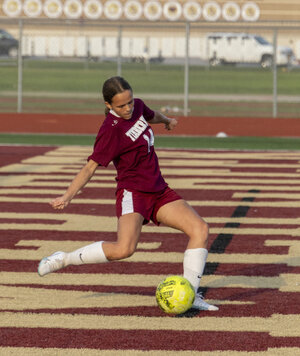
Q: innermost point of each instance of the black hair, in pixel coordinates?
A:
(112, 87)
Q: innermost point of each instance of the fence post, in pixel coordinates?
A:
(20, 68)
(186, 70)
(119, 59)
(87, 52)
(275, 98)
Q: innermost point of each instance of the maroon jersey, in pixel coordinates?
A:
(129, 144)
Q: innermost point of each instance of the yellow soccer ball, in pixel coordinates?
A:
(175, 295)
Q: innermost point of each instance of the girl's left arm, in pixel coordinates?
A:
(160, 118)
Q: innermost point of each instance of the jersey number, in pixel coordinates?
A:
(150, 140)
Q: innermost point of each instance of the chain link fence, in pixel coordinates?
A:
(182, 68)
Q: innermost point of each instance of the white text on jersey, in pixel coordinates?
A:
(137, 129)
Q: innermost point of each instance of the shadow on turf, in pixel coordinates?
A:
(191, 313)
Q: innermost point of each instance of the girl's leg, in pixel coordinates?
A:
(183, 217)
(129, 229)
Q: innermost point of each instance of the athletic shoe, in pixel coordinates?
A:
(200, 304)
(51, 263)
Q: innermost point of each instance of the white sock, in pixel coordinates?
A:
(92, 253)
(194, 261)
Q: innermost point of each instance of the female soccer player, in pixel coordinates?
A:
(126, 138)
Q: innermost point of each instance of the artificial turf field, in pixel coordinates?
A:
(250, 200)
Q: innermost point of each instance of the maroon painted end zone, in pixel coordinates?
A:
(240, 290)
(195, 126)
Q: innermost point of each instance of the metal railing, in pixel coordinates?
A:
(181, 30)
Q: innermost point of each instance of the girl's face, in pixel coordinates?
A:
(122, 104)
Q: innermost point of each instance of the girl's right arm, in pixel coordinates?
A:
(78, 182)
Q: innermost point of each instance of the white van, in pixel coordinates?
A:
(245, 48)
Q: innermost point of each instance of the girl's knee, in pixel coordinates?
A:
(200, 227)
(205, 228)
(122, 252)
(200, 232)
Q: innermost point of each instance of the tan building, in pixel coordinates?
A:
(160, 23)
(155, 10)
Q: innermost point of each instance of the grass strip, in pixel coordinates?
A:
(188, 142)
